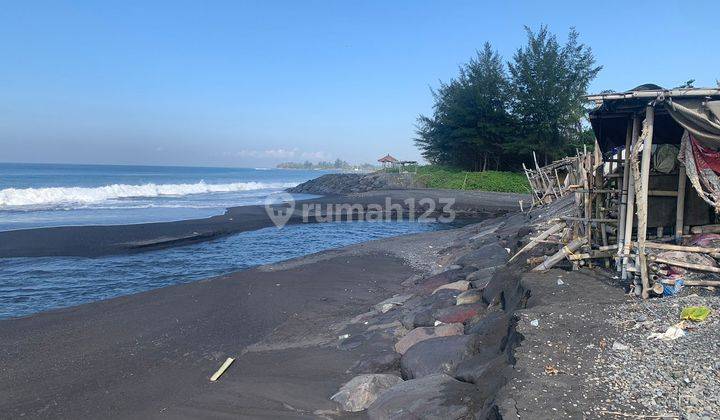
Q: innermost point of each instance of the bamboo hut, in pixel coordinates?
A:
(650, 183)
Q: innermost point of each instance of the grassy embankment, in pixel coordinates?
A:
(449, 178)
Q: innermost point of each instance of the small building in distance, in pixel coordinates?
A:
(388, 162)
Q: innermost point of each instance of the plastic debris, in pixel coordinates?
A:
(535, 322)
(695, 313)
(673, 290)
(619, 346)
(674, 332)
(560, 282)
(344, 336)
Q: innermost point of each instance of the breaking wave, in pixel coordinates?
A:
(54, 196)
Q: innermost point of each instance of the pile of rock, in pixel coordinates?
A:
(355, 183)
(452, 336)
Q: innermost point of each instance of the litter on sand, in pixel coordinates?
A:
(674, 332)
(222, 369)
(695, 313)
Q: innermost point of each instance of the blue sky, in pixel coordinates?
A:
(252, 83)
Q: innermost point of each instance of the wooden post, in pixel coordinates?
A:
(630, 213)
(624, 192)
(680, 209)
(643, 198)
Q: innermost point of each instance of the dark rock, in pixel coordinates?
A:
(431, 397)
(382, 363)
(469, 297)
(458, 313)
(362, 390)
(488, 372)
(489, 255)
(492, 329)
(353, 183)
(425, 333)
(429, 284)
(422, 314)
(505, 289)
(437, 355)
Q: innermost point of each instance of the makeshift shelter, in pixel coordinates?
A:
(652, 179)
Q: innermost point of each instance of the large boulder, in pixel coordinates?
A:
(484, 370)
(427, 285)
(459, 313)
(489, 255)
(432, 397)
(381, 363)
(363, 390)
(460, 285)
(505, 289)
(492, 329)
(424, 333)
(468, 297)
(437, 355)
(392, 303)
(422, 314)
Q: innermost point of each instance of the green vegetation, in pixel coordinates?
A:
(494, 114)
(433, 176)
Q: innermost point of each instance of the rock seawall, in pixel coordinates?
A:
(355, 183)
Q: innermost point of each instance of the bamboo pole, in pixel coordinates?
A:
(624, 190)
(562, 254)
(683, 248)
(683, 264)
(630, 213)
(643, 198)
(706, 283)
(541, 237)
(680, 208)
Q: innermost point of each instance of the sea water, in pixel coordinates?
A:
(44, 195)
(30, 285)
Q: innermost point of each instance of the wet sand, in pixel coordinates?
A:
(151, 354)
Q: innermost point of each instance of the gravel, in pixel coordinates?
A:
(679, 378)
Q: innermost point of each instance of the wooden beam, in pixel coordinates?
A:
(624, 190)
(630, 213)
(643, 198)
(680, 205)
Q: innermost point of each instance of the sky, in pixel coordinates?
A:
(255, 83)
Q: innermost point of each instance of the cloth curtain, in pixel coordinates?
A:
(701, 165)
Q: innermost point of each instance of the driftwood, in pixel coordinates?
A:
(562, 254)
(683, 264)
(541, 237)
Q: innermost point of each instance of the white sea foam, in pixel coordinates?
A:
(62, 196)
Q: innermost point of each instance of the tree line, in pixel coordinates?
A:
(493, 114)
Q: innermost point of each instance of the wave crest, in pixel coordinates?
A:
(53, 196)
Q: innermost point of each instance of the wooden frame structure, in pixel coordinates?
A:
(612, 186)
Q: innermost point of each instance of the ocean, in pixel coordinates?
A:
(44, 195)
(33, 196)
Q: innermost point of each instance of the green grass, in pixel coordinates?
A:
(449, 178)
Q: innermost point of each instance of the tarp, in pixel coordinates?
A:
(700, 144)
(698, 116)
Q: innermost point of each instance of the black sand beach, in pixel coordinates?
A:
(299, 330)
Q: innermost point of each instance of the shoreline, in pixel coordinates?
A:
(93, 241)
